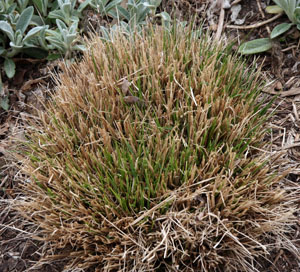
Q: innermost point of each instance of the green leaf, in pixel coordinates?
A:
(288, 7)
(297, 15)
(37, 20)
(4, 102)
(2, 39)
(7, 29)
(66, 8)
(34, 31)
(165, 16)
(15, 46)
(55, 43)
(35, 52)
(274, 9)
(23, 4)
(9, 68)
(11, 9)
(1, 87)
(148, 5)
(53, 33)
(61, 25)
(156, 3)
(142, 13)
(39, 5)
(112, 5)
(83, 5)
(282, 3)
(56, 14)
(54, 56)
(122, 13)
(24, 19)
(256, 46)
(79, 47)
(280, 29)
(70, 38)
(73, 28)
(18, 38)
(73, 19)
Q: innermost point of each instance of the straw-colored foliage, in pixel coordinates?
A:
(143, 160)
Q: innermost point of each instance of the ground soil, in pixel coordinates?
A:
(19, 252)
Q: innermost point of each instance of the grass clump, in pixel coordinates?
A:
(143, 159)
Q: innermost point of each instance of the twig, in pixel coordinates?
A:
(158, 246)
(221, 23)
(289, 48)
(290, 146)
(122, 232)
(13, 228)
(295, 111)
(235, 2)
(145, 214)
(262, 14)
(257, 24)
(290, 92)
(270, 92)
(260, 9)
(193, 97)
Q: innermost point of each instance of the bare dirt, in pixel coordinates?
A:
(19, 252)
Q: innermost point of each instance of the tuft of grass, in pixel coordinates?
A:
(143, 159)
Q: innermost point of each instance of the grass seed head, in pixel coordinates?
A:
(143, 159)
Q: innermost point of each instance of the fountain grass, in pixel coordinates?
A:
(145, 159)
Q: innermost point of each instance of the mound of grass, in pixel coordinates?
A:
(144, 159)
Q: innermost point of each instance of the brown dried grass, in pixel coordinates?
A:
(159, 175)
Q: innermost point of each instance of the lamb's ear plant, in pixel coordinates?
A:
(132, 18)
(103, 7)
(7, 7)
(292, 9)
(136, 12)
(42, 7)
(148, 152)
(18, 39)
(64, 38)
(26, 32)
(67, 11)
(22, 4)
